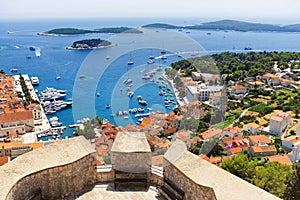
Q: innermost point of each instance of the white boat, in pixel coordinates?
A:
(130, 62)
(130, 94)
(107, 57)
(98, 94)
(34, 80)
(150, 61)
(141, 109)
(14, 70)
(57, 77)
(107, 106)
(151, 57)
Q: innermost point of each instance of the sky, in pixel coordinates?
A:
(274, 11)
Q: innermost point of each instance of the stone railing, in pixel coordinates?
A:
(52, 172)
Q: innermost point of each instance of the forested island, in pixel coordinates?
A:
(75, 31)
(90, 44)
(230, 25)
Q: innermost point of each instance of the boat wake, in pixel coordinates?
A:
(37, 52)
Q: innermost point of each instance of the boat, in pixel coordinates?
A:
(81, 76)
(141, 109)
(130, 62)
(163, 57)
(54, 122)
(130, 94)
(126, 117)
(163, 52)
(151, 57)
(187, 32)
(28, 57)
(98, 94)
(107, 106)
(139, 98)
(247, 48)
(150, 62)
(143, 102)
(14, 70)
(146, 77)
(107, 57)
(127, 81)
(32, 48)
(35, 80)
(208, 33)
(57, 77)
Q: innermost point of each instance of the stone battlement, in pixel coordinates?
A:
(66, 169)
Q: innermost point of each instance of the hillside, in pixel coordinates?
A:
(230, 25)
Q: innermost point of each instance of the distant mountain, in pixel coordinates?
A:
(160, 25)
(230, 25)
(293, 27)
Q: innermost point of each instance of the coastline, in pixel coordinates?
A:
(176, 92)
(91, 48)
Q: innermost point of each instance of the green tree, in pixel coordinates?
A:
(273, 178)
(240, 166)
(292, 191)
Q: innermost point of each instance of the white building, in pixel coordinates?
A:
(298, 131)
(294, 156)
(279, 123)
(252, 128)
(201, 92)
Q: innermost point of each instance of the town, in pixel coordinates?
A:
(238, 111)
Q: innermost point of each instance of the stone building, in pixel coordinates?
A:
(66, 170)
(16, 122)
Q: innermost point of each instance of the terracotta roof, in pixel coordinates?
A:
(260, 149)
(233, 130)
(259, 139)
(237, 87)
(4, 160)
(210, 133)
(17, 116)
(268, 75)
(204, 157)
(253, 125)
(215, 160)
(279, 116)
(281, 158)
(236, 150)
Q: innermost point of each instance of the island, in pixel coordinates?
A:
(232, 25)
(76, 31)
(90, 44)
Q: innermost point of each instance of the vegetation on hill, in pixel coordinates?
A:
(75, 31)
(68, 31)
(272, 176)
(90, 43)
(230, 25)
(118, 30)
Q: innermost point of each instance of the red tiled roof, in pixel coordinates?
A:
(281, 158)
(4, 160)
(233, 130)
(236, 150)
(259, 139)
(210, 133)
(15, 116)
(260, 149)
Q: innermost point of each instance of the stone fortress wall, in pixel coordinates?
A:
(65, 169)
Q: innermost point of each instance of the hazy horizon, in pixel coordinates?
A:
(275, 12)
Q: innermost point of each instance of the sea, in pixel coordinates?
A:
(101, 82)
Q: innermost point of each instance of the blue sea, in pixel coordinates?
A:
(86, 73)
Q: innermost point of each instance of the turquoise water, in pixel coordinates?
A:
(56, 60)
